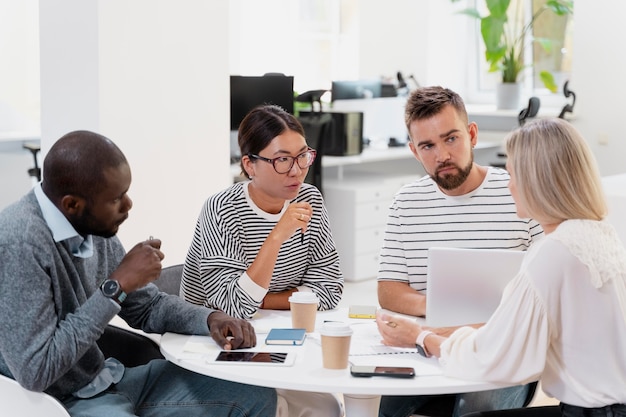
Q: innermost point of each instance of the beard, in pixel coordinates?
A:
(453, 181)
(86, 224)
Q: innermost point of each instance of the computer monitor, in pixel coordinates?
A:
(247, 92)
(345, 90)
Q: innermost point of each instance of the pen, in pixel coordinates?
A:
(301, 236)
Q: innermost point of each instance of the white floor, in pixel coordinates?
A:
(364, 293)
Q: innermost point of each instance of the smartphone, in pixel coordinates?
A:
(390, 371)
(362, 312)
(255, 358)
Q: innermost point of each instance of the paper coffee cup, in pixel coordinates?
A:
(335, 345)
(303, 310)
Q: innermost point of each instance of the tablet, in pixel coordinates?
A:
(233, 357)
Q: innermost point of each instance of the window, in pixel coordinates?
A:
(558, 60)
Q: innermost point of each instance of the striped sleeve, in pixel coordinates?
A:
(227, 238)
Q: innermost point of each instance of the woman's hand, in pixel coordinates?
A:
(296, 217)
(396, 330)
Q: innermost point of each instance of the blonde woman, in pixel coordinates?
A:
(563, 317)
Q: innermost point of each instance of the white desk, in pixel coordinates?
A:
(361, 395)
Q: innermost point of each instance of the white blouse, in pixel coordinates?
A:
(561, 319)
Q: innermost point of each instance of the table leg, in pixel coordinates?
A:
(361, 405)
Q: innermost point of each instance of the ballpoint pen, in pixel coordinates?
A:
(302, 236)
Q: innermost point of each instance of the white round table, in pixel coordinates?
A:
(361, 395)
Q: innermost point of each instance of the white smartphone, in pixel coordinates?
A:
(234, 357)
(390, 371)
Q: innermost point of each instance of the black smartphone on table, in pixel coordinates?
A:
(390, 371)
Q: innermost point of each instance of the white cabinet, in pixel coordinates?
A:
(358, 208)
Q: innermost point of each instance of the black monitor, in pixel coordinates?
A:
(345, 90)
(247, 92)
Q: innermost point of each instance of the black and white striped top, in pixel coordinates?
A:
(228, 235)
(421, 216)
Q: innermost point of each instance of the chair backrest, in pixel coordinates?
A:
(129, 347)
(169, 280)
(318, 127)
(19, 402)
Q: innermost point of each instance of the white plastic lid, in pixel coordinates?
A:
(335, 328)
(303, 297)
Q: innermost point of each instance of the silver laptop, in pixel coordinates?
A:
(464, 286)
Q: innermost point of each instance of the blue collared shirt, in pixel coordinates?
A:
(61, 228)
(81, 247)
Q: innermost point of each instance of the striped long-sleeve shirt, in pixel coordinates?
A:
(422, 216)
(229, 233)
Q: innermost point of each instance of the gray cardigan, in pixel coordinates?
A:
(52, 312)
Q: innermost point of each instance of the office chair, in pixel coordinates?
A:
(443, 406)
(526, 113)
(568, 108)
(169, 280)
(127, 346)
(17, 401)
(34, 150)
(530, 111)
(318, 126)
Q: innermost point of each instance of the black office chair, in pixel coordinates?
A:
(34, 150)
(544, 411)
(443, 405)
(318, 127)
(130, 348)
(568, 108)
(526, 113)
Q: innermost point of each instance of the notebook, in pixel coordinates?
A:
(464, 286)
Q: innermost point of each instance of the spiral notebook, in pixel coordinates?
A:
(367, 341)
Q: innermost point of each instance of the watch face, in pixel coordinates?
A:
(110, 288)
(421, 351)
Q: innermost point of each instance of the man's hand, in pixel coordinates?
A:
(401, 298)
(229, 332)
(141, 265)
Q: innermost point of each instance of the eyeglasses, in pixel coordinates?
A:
(283, 164)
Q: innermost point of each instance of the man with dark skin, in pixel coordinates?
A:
(65, 275)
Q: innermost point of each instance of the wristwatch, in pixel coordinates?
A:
(419, 343)
(111, 289)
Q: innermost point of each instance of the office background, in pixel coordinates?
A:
(153, 76)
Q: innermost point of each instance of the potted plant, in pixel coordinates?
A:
(505, 36)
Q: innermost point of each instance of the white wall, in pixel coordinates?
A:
(162, 88)
(152, 75)
(599, 68)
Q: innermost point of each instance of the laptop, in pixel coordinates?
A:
(464, 286)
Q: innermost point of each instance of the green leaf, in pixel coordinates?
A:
(498, 8)
(492, 30)
(548, 81)
(470, 12)
(545, 43)
(561, 7)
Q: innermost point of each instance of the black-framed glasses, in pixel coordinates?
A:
(283, 164)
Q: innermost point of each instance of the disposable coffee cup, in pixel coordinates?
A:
(335, 345)
(303, 310)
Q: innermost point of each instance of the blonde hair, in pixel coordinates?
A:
(556, 174)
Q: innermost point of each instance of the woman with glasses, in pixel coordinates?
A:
(260, 240)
